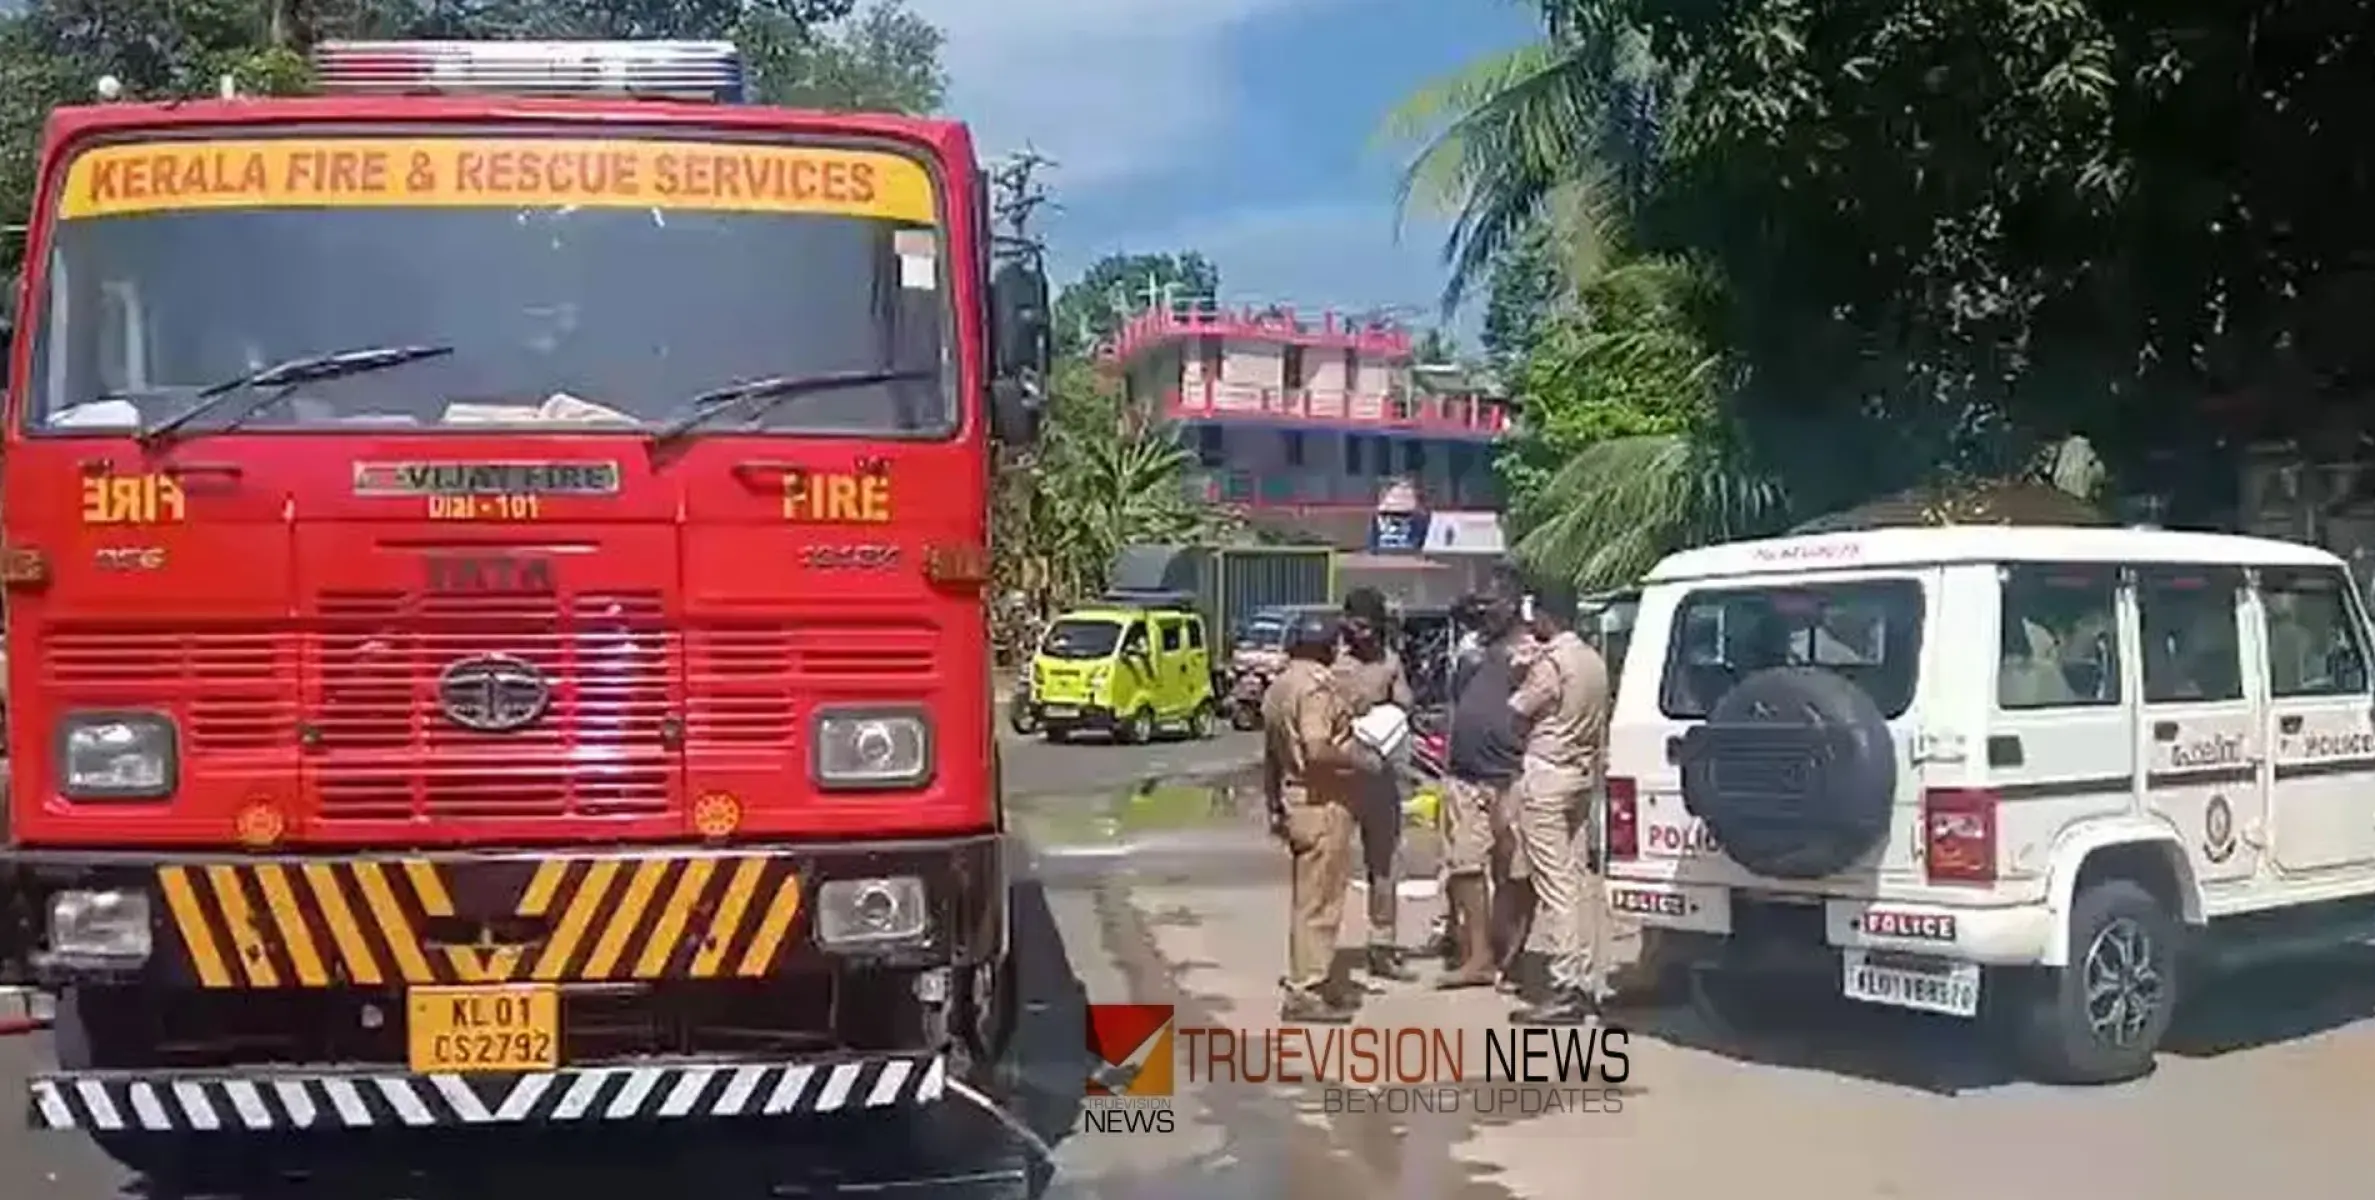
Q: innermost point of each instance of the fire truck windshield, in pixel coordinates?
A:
(598, 316)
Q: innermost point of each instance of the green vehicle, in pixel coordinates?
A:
(1132, 667)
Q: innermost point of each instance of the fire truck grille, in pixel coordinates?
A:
(388, 750)
(240, 685)
(745, 683)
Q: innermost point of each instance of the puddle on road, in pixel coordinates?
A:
(1169, 827)
(1136, 814)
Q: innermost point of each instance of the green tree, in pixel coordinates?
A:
(1102, 478)
(1499, 140)
(1432, 345)
(882, 58)
(1523, 288)
(1091, 308)
(1933, 240)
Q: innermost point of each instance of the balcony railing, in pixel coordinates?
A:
(1155, 326)
(1296, 488)
(1443, 416)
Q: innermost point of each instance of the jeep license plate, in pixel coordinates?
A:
(1925, 984)
(1059, 711)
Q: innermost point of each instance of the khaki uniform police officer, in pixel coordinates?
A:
(1310, 766)
(1563, 700)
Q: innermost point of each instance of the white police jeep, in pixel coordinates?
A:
(2045, 772)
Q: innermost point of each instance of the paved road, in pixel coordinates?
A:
(1035, 767)
(2266, 1088)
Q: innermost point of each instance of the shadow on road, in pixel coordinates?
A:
(1813, 1029)
(2278, 1004)
(950, 1152)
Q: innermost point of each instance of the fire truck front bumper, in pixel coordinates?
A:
(338, 992)
(311, 1100)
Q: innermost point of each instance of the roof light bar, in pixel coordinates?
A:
(710, 71)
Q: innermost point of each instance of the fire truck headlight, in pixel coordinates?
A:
(110, 924)
(871, 748)
(861, 912)
(116, 756)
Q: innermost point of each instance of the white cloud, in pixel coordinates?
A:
(1110, 89)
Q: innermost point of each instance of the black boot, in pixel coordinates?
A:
(1312, 1008)
(1385, 962)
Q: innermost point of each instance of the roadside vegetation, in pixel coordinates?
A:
(1752, 264)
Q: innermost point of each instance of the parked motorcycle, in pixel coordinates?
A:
(1243, 699)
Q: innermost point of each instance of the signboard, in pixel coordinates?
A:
(1452, 533)
(1398, 533)
(135, 178)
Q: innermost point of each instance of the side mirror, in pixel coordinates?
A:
(1015, 408)
(1020, 352)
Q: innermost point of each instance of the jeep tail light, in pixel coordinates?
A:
(1624, 818)
(1958, 835)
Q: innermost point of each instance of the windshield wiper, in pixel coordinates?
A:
(283, 375)
(755, 398)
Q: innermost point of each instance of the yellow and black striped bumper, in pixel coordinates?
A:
(649, 916)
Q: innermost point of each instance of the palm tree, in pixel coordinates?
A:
(1619, 506)
(1574, 120)
(1556, 147)
(1559, 145)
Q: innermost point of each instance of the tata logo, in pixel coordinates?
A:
(493, 693)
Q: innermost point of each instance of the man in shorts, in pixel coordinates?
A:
(1483, 758)
(1367, 674)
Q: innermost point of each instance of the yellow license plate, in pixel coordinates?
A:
(452, 1030)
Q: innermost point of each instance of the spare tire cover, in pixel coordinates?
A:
(1794, 772)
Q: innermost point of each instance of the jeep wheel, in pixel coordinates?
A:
(1244, 717)
(1199, 723)
(1137, 729)
(2100, 1019)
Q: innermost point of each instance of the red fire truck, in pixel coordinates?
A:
(493, 564)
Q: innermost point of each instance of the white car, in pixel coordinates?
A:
(2041, 773)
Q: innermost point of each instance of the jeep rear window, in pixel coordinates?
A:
(1867, 631)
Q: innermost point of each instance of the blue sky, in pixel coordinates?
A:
(1242, 128)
